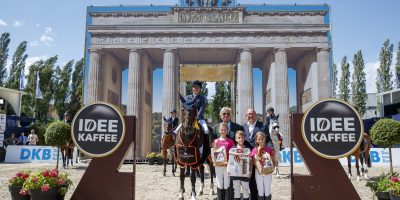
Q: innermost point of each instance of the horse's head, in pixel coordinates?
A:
(188, 113)
(167, 125)
(274, 123)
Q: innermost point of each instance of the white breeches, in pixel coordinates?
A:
(263, 184)
(245, 189)
(203, 123)
(222, 177)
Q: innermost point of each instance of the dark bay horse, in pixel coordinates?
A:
(168, 143)
(192, 147)
(362, 155)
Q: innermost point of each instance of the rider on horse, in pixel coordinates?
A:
(199, 101)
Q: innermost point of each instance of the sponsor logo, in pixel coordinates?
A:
(332, 129)
(98, 129)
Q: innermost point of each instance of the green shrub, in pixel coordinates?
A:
(380, 183)
(386, 132)
(58, 134)
(151, 155)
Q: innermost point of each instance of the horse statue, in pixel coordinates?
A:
(168, 144)
(67, 154)
(191, 147)
(361, 154)
(276, 138)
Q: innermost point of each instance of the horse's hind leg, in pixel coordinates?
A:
(212, 173)
(182, 179)
(349, 166)
(362, 164)
(201, 169)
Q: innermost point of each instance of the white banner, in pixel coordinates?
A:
(379, 157)
(2, 128)
(26, 154)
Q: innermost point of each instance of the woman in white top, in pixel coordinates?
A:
(33, 138)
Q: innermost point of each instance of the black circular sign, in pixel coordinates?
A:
(332, 128)
(98, 129)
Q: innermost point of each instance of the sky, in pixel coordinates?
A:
(58, 28)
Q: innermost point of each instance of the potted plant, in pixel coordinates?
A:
(160, 159)
(386, 133)
(380, 186)
(64, 182)
(15, 186)
(58, 134)
(394, 188)
(151, 156)
(42, 185)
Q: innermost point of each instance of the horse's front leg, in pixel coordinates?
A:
(358, 169)
(349, 166)
(193, 181)
(278, 175)
(165, 162)
(182, 179)
(201, 168)
(173, 163)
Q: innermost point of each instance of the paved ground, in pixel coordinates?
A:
(152, 185)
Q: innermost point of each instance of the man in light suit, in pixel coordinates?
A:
(225, 115)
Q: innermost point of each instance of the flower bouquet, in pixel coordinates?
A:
(394, 188)
(15, 186)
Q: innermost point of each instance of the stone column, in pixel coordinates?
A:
(245, 85)
(169, 82)
(324, 83)
(133, 94)
(94, 76)
(282, 93)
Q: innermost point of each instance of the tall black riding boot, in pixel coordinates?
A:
(268, 197)
(227, 194)
(260, 197)
(220, 194)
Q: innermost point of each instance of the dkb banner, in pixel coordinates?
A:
(379, 157)
(27, 154)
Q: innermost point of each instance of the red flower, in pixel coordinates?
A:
(35, 179)
(23, 192)
(19, 174)
(45, 187)
(61, 181)
(46, 173)
(25, 176)
(54, 173)
(395, 179)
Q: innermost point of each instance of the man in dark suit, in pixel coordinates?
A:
(251, 127)
(225, 115)
(66, 119)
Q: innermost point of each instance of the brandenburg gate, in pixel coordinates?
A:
(272, 38)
